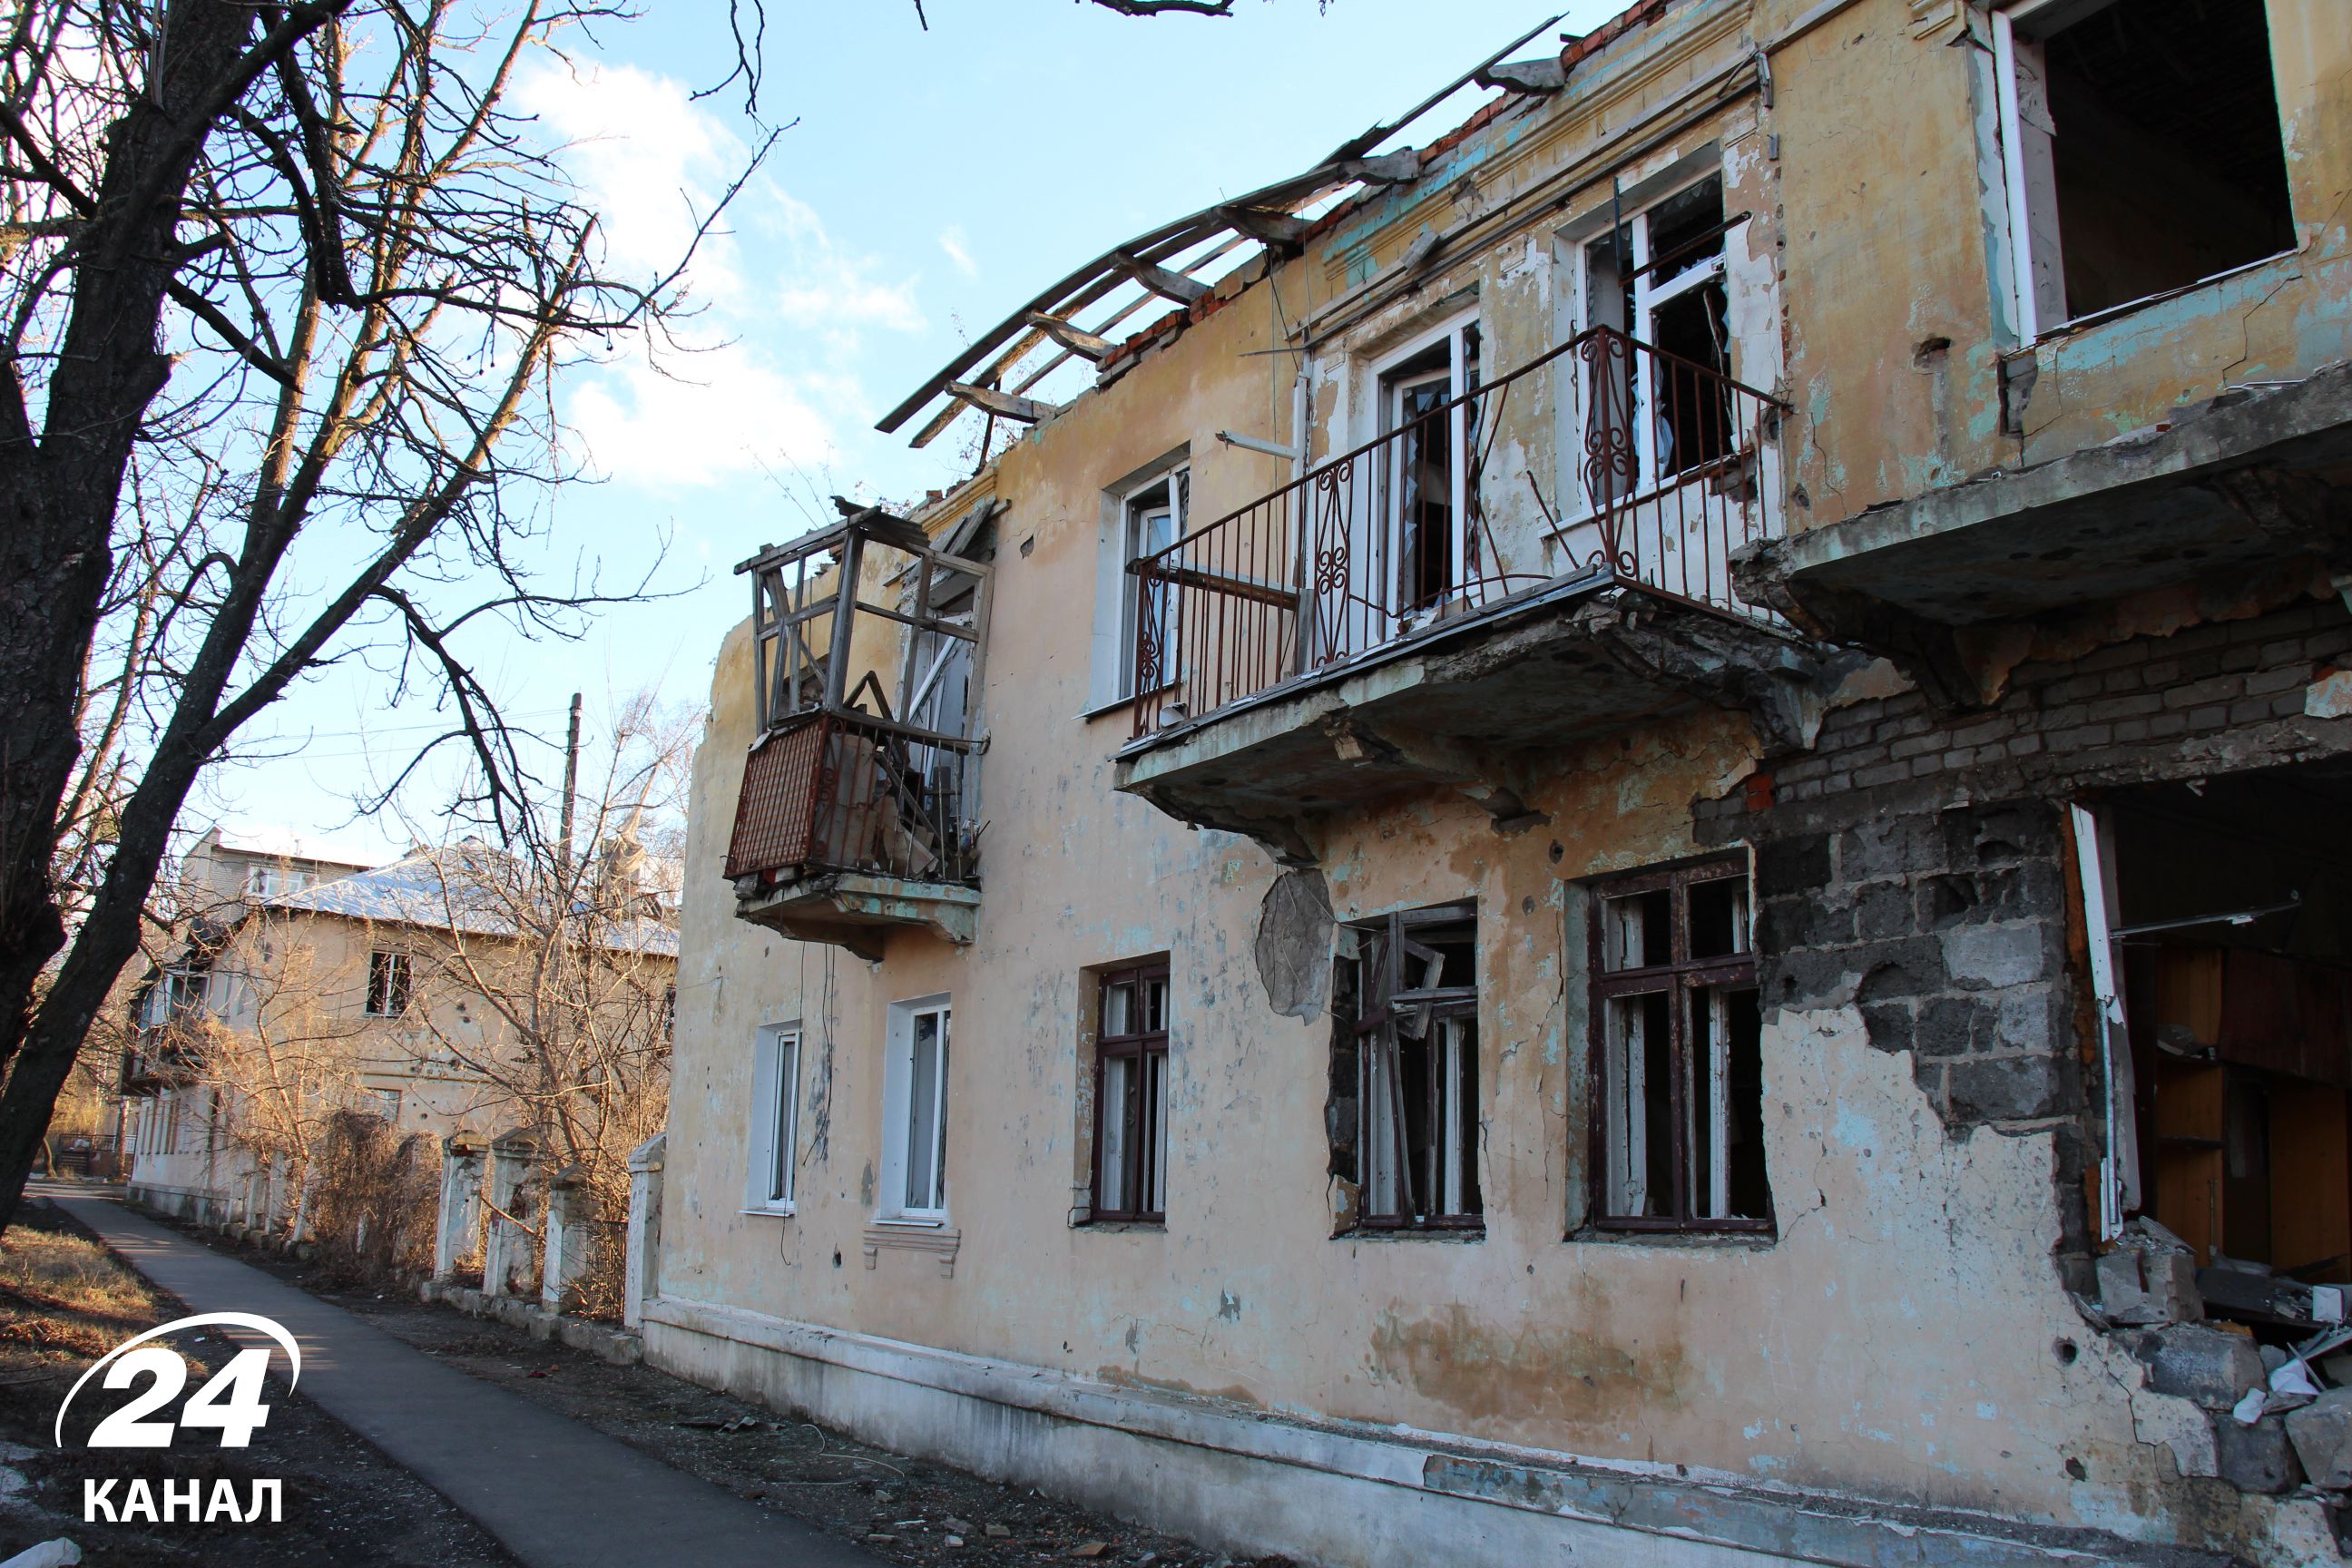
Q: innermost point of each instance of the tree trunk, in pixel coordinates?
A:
(61, 494)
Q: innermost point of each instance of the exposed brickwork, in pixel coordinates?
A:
(1912, 865)
(2192, 703)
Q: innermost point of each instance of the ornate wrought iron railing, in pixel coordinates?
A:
(1675, 467)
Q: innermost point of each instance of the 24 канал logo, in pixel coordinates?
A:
(230, 1402)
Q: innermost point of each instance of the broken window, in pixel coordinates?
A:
(1658, 277)
(915, 1116)
(2143, 149)
(1430, 478)
(388, 983)
(774, 1144)
(1152, 520)
(1408, 1032)
(1678, 1134)
(1131, 1095)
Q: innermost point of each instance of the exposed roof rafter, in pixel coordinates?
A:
(1170, 262)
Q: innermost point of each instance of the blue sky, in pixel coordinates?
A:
(931, 183)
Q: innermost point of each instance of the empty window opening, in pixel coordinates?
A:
(388, 983)
(1430, 478)
(1154, 521)
(1659, 279)
(2231, 906)
(774, 1143)
(2144, 149)
(1678, 1124)
(1408, 1032)
(1130, 1174)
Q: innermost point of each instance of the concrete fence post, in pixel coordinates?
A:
(570, 1238)
(512, 1155)
(461, 1203)
(642, 1281)
(273, 1195)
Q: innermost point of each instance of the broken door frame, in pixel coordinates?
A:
(2095, 867)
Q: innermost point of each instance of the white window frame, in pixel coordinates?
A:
(1383, 386)
(771, 1178)
(2037, 269)
(1110, 678)
(404, 970)
(1649, 296)
(1178, 480)
(896, 1204)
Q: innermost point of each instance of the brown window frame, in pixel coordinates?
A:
(1146, 1146)
(1679, 977)
(1377, 1040)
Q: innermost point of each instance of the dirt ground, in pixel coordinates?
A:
(902, 1510)
(64, 1302)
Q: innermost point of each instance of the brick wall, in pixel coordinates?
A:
(1914, 864)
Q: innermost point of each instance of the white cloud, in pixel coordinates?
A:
(780, 303)
(701, 418)
(651, 161)
(953, 241)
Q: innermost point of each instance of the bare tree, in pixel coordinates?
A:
(282, 289)
(571, 955)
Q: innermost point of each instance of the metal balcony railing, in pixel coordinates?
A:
(834, 793)
(1674, 467)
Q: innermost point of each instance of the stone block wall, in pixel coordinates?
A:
(1915, 863)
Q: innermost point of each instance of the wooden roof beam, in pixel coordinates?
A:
(1083, 343)
(1159, 280)
(1003, 405)
(1266, 225)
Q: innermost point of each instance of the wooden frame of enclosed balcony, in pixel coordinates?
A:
(854, 817)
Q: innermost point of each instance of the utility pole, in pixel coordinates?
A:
(571, 791)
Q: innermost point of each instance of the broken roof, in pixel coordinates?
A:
(1181, 262)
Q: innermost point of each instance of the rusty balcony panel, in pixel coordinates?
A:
(1674, 467)
(830, 795)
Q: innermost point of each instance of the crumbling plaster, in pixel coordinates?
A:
(1903, 1335)
(1910, 1293)
(1884, 159)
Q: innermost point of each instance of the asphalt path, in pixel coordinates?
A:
(555, 1493)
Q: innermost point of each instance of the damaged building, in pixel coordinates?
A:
(1619, 837)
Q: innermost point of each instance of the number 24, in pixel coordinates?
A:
(230, 1401)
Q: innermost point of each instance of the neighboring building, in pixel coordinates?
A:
(165, 1118)
(412, 992)
(1445, 919)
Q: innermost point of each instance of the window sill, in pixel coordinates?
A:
(1107, 1227)
(1117, 704)
(1413, 1233)
(771, 1211)
(1753, 1237)
(2052, 335)
(919, 1236)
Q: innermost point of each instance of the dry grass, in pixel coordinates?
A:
(64, 1294)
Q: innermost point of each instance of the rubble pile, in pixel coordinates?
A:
(2267, 1356)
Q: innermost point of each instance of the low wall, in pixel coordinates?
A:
(1322, 1492)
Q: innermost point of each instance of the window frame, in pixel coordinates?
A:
(1177, 480)
(773, 1148)
(1143, 1156)
(1649, 296)
(1443, 1005)
(2036, 281)
(1388, 382)
(399, 989)
(897, 1112)
(1682, 975)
